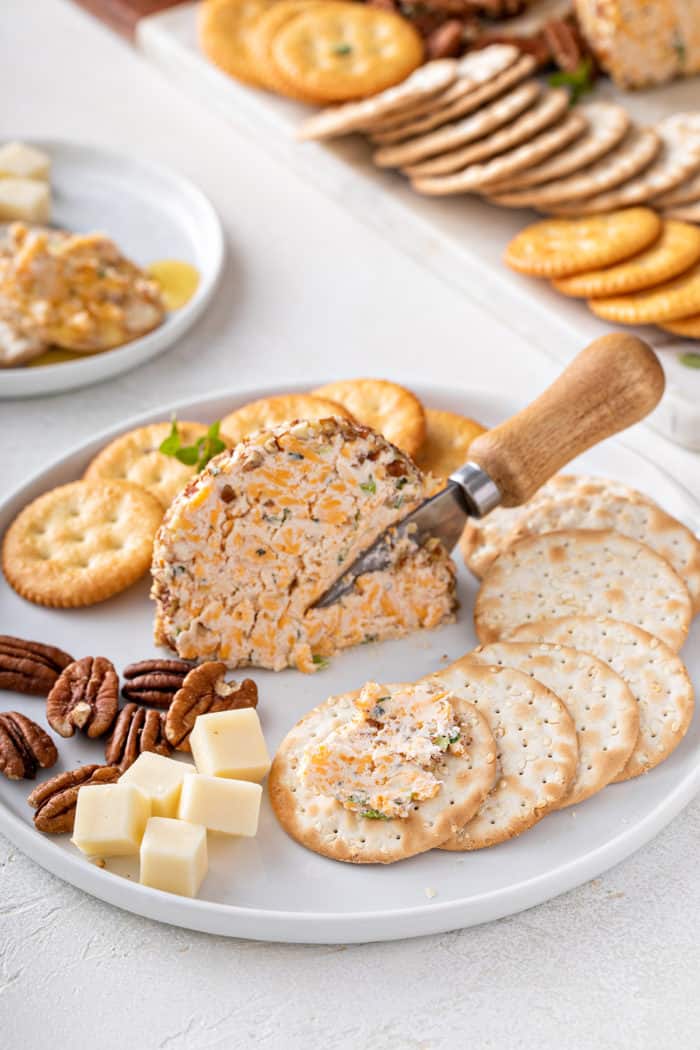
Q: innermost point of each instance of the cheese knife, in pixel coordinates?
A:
(615, 382)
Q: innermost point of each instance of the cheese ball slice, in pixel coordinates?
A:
(379, 775)
(248, 547)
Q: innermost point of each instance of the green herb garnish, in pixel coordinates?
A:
(679, 47)
(690, 360)
(374, 814)
(342, 49)
(579, 81)
(197, 455)
(369, 486)
(321, 661)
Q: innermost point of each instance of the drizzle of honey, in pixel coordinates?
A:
(178, 281)
(54, 356)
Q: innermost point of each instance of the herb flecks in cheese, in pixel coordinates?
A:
(383, 761)
(249, 546)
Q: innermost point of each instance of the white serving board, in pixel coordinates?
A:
(460, 238)
(151, 213)
(270, 888)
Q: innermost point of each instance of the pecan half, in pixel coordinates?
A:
(136, 730)
(444, 42)
(85, 696)
(55, 800)
(204, 691)
(30, 667)
(24, 747)
(566, 44)
(154, 681)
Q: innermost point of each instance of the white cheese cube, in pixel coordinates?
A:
(110, 819)
(230, 744)
(229, 806)
(174, 856)
(23, 162)
(160, 780)
(25, 200)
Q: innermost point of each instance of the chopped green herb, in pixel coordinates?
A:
(369, 486)
(369, 638)
(400, 482)
(321, 661)
(197, 455)
(343, 49)
(690, 360)
(678, 45)
(579, 81)
(374, 814)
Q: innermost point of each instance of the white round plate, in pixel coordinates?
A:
(269, 887)
(151, 213)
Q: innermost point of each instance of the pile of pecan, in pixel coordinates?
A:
(84, 695)
(452, 27)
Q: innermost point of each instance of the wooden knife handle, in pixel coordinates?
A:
(610, 385)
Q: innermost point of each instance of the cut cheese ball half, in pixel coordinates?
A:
(537, 751)
(256, 539)
(581, 572)
(655, 674)
(379, 775)
(599, 701)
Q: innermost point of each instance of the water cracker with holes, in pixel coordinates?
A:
(81, 543)
(581, 572)
(655, 674)
(599, 701)
(537, 751)
(326, 826)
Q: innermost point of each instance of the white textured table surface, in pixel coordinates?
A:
(307, 292)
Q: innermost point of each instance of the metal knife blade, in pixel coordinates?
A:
(469, 492)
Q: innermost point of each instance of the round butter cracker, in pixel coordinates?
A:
(447, 440)
(670, 301)
(675, 251)
(338, 51)
(225, 28)
(384, 406)
(135, 456)
(81, 543)
(272, 411)
(562, 247)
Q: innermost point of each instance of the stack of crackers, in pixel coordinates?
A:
(317, 52)
(495, 130)
(632, 266)
(84, 542)
(586, 596)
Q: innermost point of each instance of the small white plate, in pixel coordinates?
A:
(270, 888)
(151, 213)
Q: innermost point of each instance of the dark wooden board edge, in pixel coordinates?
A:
(124, 15)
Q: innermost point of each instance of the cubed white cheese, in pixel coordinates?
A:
(160, 780)
(174, 856)
(23, 162)
(230, 744)
(229, 806)
(110, 819)
(24, 200)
